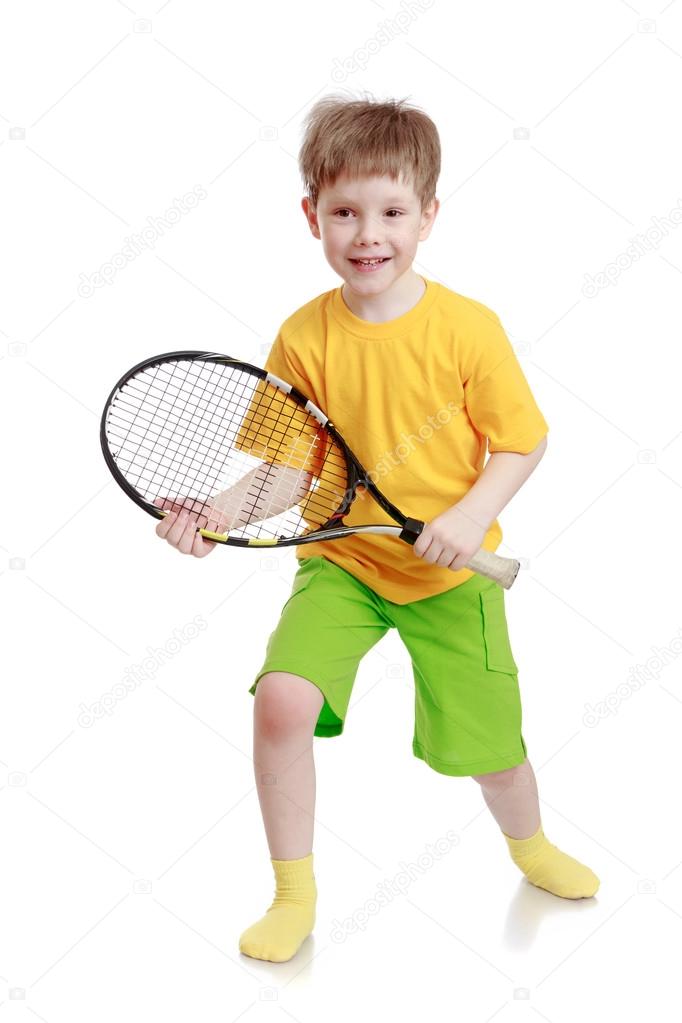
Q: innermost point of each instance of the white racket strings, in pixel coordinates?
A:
(189, 430)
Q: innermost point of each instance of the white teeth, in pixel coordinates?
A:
(369, 262)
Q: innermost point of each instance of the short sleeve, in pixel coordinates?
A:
(277, 430)
(283, 361)
(497, 395)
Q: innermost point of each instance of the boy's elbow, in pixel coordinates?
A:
(535, 455)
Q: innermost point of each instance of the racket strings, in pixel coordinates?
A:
(188, 432)
(268, 420)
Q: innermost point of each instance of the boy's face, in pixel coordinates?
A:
(370, 218)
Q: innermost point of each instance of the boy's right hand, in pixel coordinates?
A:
(180, 529)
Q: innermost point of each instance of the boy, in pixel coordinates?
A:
(390, 356)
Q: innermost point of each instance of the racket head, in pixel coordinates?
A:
(180, 428)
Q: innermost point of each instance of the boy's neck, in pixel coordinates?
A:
(395, 301)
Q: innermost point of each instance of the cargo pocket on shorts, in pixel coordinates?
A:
(498, 652)
(306, 572)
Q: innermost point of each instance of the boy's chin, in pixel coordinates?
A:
(380, 279)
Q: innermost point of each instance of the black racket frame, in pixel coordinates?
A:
(356, 473)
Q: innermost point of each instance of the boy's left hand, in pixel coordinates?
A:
(450, 540)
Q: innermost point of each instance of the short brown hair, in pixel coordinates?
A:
(364, 137)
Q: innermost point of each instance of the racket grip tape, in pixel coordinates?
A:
(493, 566)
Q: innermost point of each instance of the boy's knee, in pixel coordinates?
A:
(517, 775)
(286, 704)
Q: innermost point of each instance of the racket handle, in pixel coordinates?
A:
(492, 566)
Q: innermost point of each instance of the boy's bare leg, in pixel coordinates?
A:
(286, 710)
(512, 798)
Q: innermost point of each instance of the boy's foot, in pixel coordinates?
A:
(279, 934)
(548, 867)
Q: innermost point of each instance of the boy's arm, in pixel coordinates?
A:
(503, 475)
(262, 493)
(452, 538)
(501, 407)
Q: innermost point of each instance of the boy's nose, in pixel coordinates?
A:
(368, 233)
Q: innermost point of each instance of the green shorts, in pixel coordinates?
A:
(467, 702)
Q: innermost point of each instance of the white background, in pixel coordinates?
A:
(132, 847)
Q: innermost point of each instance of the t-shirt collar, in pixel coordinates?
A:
(388, 328)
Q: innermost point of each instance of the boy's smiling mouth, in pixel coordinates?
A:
(370, 264)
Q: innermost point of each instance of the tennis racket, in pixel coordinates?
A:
(254, 459)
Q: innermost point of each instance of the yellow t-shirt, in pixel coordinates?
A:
(417, 399)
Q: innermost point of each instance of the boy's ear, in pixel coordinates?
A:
(428, 217)
(311, 217)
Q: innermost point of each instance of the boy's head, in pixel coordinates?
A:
(370, 170)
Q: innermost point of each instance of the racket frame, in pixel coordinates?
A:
(494, 566)
(356, 475)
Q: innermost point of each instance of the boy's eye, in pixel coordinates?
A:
(345, 210)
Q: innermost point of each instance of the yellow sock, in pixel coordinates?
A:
(280, 933)
(550, 868)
